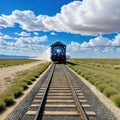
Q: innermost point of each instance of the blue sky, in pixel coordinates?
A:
(89, 28)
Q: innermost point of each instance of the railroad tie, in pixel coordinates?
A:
(61, 113)
(60, 105)
(55, 106)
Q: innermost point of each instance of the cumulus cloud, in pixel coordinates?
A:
(87, 17)
(116, 40)
(2, 43)
(31, 40)
(22, 49)
(28, 46)
(6, 21)
(28, 20)
(35, 33)
(53, 33)
(98, 47)
(23, 34)
(100, 41)
(2, 36)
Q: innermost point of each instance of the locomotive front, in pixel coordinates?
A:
(58, 52)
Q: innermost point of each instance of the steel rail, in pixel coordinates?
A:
(39, 113)
(80, 109)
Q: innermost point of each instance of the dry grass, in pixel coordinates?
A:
(11, 62)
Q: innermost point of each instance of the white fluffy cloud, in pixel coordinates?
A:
(28, 46)
(100, 41)
(23, 34)
(88, 17)
(116, 40)
(5, 37)
(53, 33)
(36, 33)
(6, 21)
(97, 47)
(28, 20)
(31, 40)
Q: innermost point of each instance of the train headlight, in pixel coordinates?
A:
(58, 50)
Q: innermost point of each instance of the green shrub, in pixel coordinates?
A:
(8, 99)
(35, 76)
(101, 87)
(24, 85)
(76, 69)
(110, 91)
(2, 105)
(28, 81)
(18, 92)
(15, 90)
(32, 77)
(116, 99)
(83, 74)
(117, 67)
(79, 72)
(92, 81)
(98, 82)
(87, 77)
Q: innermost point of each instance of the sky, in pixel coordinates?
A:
(89, 28)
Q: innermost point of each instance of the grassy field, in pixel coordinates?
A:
(11, 62)
(21, 82)
(102, 73)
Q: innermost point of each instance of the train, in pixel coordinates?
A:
(58, 52)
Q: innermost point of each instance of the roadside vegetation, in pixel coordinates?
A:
(21, 82)
(102, 73)
(11, 62)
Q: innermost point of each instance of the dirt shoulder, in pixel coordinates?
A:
(7, 74)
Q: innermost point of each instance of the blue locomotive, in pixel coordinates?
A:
(58, 52)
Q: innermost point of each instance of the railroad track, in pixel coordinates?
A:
(59, 97)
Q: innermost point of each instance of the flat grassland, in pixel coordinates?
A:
(11, 62)
(104, 74)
